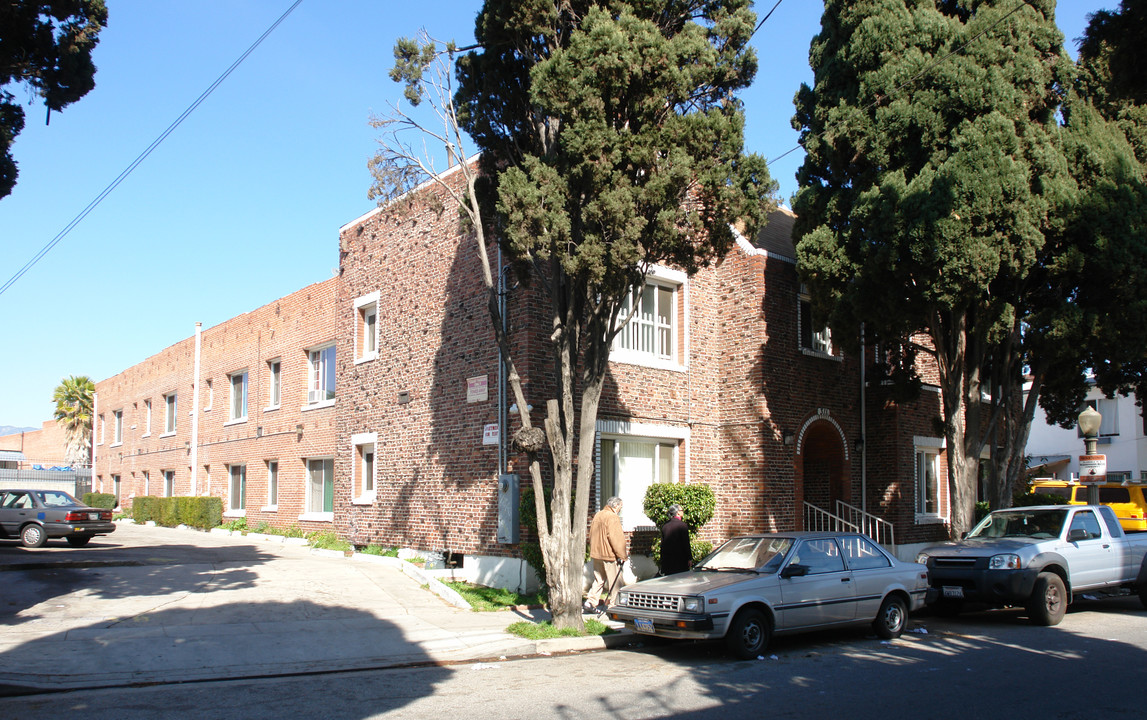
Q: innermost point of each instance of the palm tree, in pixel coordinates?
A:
(74, 398)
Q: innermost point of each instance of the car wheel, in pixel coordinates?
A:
(78, 540)
(1048, 602)
(33, 535)
(748, 635)
(892, 618)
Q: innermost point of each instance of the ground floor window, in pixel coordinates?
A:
(630, 464)
(320, 485)
(237, 488)
(272, 483)
(364, 444)
(168, 483)
(927, 496)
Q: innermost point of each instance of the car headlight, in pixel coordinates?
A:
(1006, 561)
(694, 604)
(922, 558)
(623, 598)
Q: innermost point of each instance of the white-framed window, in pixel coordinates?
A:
(364, 467)
(926, 493)
(237, 489)
(1108, 408)
(652, 334)
(102, 425)
(275, 383)
(146, 482)
(813, 338)
(147, 417)
(321, 375)
(210, 389)
(272, 485)
(366, 327)
(168, 483)
(117, 427)
(320, 491)
(632, 457)
(238, 401)
(170, 406)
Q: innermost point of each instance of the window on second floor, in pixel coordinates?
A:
(275, 386)
(321, 375)
(147, 415)
(117, 429)
(652, 335)
(238, 401)
(366, 327)
(813, 337)
(169, 413)
(1108, 409)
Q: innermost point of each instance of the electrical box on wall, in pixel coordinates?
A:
(508, 520)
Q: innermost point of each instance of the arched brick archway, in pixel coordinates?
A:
(821, 467)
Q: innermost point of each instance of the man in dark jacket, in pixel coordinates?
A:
(676, 554)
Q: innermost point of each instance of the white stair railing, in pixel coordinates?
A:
(874, 527)
(822, 520)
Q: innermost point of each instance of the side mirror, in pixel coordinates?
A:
(1077, 534)
(794, 570)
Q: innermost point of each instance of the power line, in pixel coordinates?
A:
(143, 156)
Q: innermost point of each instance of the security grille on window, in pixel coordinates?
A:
(652, 328)
(238, 396)
(321, 375)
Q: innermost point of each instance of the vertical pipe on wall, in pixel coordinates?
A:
(503, 415)
(863, 426)
(195, 409)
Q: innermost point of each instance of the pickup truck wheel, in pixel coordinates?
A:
(748, 635)
(892, 618)
(1048, 602)
(78, 540)
(32, 535)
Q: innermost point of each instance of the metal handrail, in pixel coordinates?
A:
(874, 527)
(816, 518)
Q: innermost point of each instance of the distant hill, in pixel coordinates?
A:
(12, 430)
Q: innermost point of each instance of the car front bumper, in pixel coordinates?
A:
(996, 587)
(668, 624)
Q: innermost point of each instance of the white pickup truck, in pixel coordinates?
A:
(1039, 558)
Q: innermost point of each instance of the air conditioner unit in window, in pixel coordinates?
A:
(313, 396)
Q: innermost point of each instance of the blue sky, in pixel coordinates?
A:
(242, 203)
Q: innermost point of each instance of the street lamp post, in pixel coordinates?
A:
(1089, 423)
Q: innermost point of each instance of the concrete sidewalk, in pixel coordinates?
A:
(200, 606)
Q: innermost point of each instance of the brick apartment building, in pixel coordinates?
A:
(244, 410)
(721, 379)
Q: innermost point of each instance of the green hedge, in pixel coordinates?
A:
(200, 512)
(698, 503)
(99, 500)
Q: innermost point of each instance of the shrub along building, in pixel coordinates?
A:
(720, 378)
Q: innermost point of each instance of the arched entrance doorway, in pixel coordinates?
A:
(822, 469)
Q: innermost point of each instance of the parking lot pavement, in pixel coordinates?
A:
(150, 605)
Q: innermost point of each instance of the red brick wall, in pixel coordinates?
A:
(46, 446)
(284, 329)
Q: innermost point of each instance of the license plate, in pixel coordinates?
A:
(93, 516)
(953, 592)
(642, 625)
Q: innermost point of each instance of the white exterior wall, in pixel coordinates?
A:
(1126, 452)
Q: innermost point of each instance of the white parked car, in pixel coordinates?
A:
(755, 586)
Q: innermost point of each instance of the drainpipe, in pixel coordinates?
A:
(503, 413)
(195, 411)
(92, 441)
(863, 426)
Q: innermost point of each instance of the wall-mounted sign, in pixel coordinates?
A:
(490, 434)
(477, 389)
(1092, 469)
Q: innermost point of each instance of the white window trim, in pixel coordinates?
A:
(307, 514)
(665, 277)
(361, 355)
(804, 297)
(174, 415)
(267, 468)
(231, 399)
(923, 444)
(242, 512)
(209, 382)
(147, 428)
(326, 402)
(625, 430)
(271, 382)
(117, 428)
(356, 440)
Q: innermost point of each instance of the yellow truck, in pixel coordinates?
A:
(1126, 499)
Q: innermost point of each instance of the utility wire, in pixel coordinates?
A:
(927, 68)
(143, 156)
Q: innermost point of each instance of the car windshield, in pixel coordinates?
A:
(748, 553)
(1021, 523)
(57, 498)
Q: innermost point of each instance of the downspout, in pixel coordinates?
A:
(503, 414)
(195, 410)
(91, 441)
(863, 426)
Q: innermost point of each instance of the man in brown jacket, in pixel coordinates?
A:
(607, 550)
